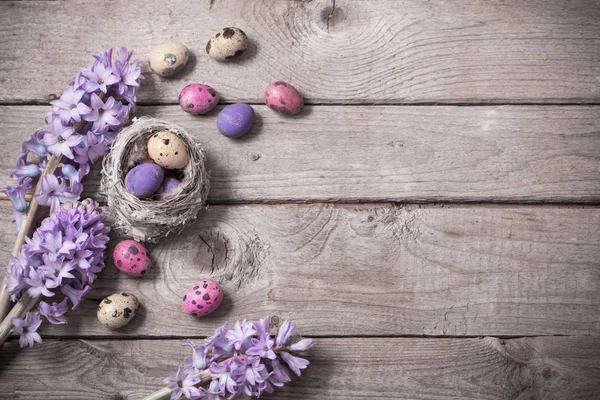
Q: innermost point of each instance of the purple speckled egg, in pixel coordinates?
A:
(283, 98)
(198, 99)
(202, 298)
(144, 180)
(131, 258)
(168, 189)
(235, 120)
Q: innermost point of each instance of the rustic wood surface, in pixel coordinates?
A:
(450, 156)
(342, 51)
(384, 153)
(348, 368)
(370, 270)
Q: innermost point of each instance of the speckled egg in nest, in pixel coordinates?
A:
(150, 219)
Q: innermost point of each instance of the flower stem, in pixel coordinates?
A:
(20, 309)
(165, 393)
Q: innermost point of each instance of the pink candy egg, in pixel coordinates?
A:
(283, 98)
(131, 258)
(198, 99)
(202, 298)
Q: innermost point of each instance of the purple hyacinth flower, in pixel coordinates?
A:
(219, 344)
(61, 139)
(15, 280)
(262, 326)
(103, 113)
(262, 347)
(104, 58)
(27, 328)
(285, 333)
(227, 374)
(99, 77)
(35, 143)
(214, 391)
(70, 106)
(54, 192)
(17, 195)
(24, 169)
(55, 313)
(198, 359)
(75, 294)
(55, 270)
(280, 373)
(241, 335)
(38, 284)
(302, 345)
(296, 364)
(182, 384)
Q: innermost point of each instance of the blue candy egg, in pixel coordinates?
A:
(144, 180)
(235, 120)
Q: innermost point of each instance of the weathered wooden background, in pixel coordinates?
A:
(431, 218)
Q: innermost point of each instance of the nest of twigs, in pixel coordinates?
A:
(149, 220)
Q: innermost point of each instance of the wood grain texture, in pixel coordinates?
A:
(369, 270)
(364, 51)
(384, 153)
(435, 369)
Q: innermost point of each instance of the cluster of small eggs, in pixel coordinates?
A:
(133, 259)
(234, 120)
(153, 177)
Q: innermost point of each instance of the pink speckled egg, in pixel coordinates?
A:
(202, 298)
(131, 258)
(283, 98)
(198, 99)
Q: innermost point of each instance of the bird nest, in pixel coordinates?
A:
(150, 220)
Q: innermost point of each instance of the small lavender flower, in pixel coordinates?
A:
(70, 106)
(17, 195)
(55, 313)
(27, 328)
(182, 384)
(241, 335)
(100, 76)
(61, 139)
(54, 191)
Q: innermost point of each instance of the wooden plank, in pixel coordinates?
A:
(369, 270)
(391, 153)
(386, 368)
(472, 51)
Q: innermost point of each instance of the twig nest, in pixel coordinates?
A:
(174, 205)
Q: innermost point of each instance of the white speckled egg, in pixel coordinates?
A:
(167, 59)
(116, 310)
(226, 44)
(168, 150)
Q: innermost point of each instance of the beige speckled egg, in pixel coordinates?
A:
(167, 59)
(168, 150)
(116, 310)
(226, 44)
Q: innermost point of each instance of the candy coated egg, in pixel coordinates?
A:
(168, 58)
(283, 98)
(227, 43)
(168, 150)
(131, 258)
(198, 99)
(144, 180)
(116, 310)
(235, 120)
(202, 298)
(168, 189)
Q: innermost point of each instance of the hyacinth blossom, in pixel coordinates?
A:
(61, 260)
(64, 255)
(244, 361)
(81, 126)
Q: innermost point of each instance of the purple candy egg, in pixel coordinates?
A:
(235, 120)
(198, 99)
(168, 188)
(144, 180)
